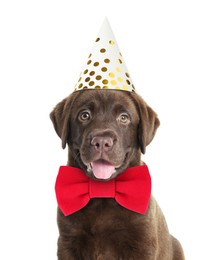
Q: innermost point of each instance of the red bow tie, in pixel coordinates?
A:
(131, 189)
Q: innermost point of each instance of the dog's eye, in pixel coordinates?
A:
(84, 116)
(124, 118)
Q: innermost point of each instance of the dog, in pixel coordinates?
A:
(106, 131)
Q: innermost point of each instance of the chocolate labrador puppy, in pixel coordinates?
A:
(106, 131)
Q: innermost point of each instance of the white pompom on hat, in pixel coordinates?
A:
(105, 67)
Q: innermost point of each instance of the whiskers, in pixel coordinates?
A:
(76, 158)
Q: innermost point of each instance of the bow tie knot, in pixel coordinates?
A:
(131, 189)
(100, 189)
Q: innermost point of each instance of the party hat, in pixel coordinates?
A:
(105, 67)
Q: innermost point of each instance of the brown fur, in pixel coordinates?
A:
(103, 230)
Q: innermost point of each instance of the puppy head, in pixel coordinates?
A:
(104, 130)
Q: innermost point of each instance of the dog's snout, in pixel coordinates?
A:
(102, 143)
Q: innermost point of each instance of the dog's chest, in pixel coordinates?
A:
(104, 226)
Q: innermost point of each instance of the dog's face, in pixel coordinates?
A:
(105, 130)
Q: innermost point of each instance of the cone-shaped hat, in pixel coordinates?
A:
(105, 67)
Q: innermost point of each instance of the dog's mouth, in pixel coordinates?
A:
(102, 169)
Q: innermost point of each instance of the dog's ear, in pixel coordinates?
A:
(148, 124)
(60, 117)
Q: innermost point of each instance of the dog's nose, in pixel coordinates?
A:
(102, 143)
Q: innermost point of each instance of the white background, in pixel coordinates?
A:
(43, 47)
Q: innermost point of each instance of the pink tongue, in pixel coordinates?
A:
(102, 169)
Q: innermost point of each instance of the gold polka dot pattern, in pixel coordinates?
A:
(92, 73)
(105, 81)
(91, 83)
(111, 74)
(113, 82)
(119, 79)
(98, 77)
(96, 64)
(105, 68)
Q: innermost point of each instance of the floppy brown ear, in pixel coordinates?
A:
(60, 117)
(148, 124)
